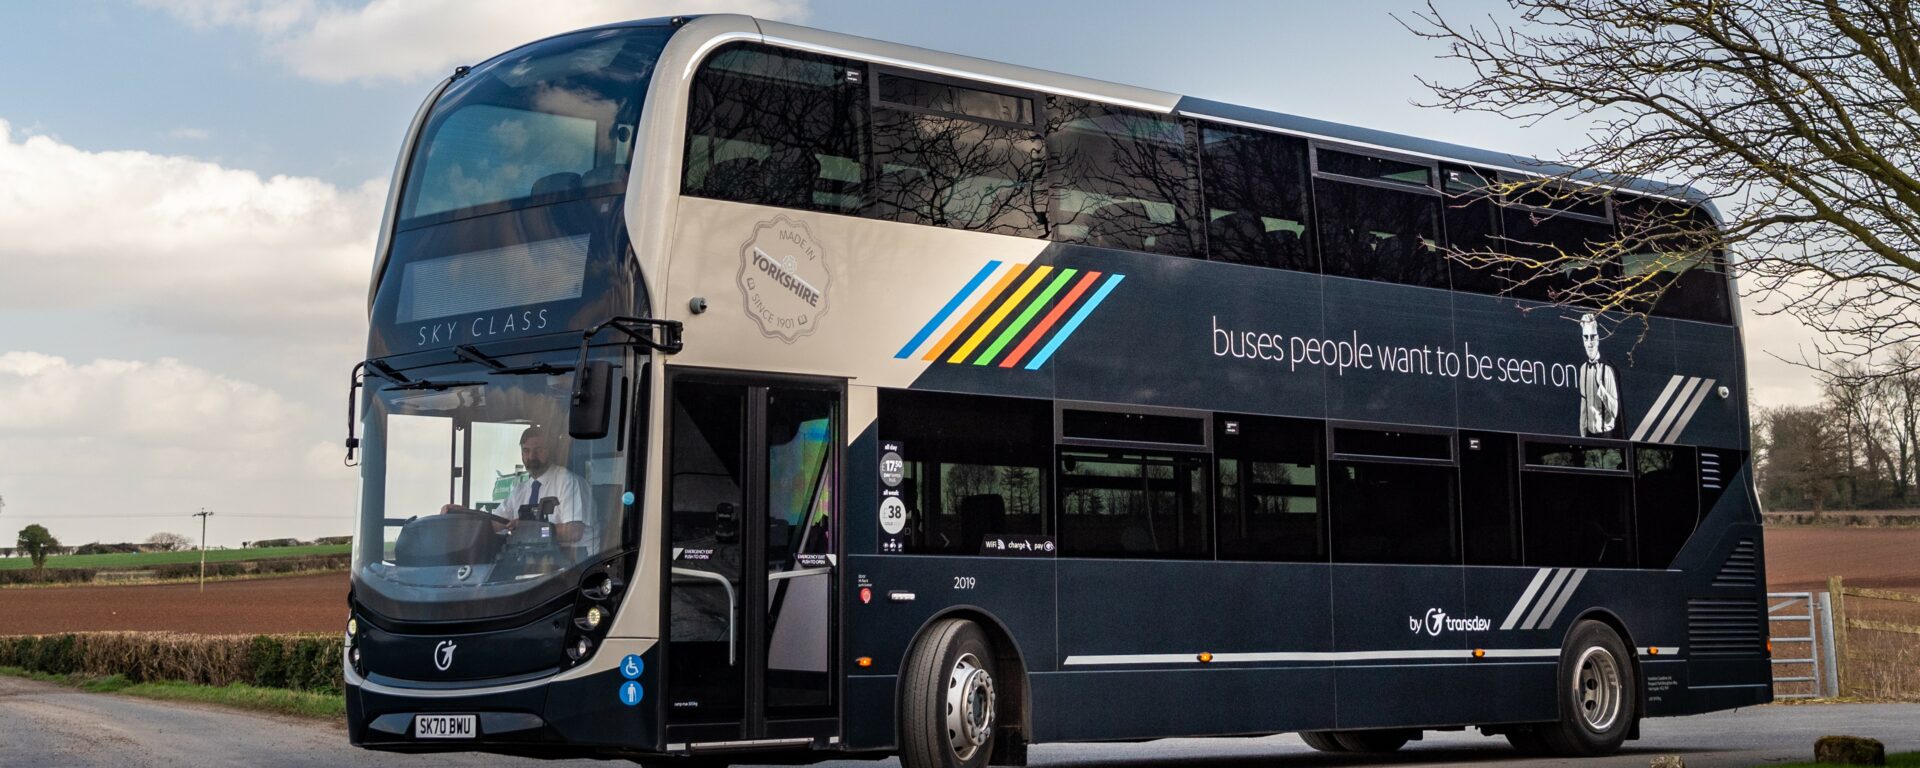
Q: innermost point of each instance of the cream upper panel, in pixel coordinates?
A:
(812, 293)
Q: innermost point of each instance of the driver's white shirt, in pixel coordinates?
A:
(561, 484)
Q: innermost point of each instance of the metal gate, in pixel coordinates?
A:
(1801, 627)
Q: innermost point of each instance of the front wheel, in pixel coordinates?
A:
(1598, 693)
(948, 707)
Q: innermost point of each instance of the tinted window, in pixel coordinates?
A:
(1374, 168)
(953, 156)
(976, 467)
(1489, 508)
(1256, 193)
(1386, 442)
(1392, 513)
(777, 128)
(1567, 241)
(1472, 218)
(554, 119)
(1576, 503)
(1133, 504)
(1666, 501)
(1267, 497)
(1132, 427)
(1120, 178)
(1668, 244)
(1379, 234)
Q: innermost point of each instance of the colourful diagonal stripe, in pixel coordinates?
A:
(1046, 323)
(1026, 315)
(1074, 324)
(973, 312)
(993, 321)
(952, 304)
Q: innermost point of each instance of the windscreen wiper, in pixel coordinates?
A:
(437, 386)
(471, 354)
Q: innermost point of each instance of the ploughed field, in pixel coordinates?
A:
(315, 603)
(1797, 559)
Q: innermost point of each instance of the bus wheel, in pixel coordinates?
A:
(1322, 741)
(1598, 694)
(1373, 741)
(947, 715)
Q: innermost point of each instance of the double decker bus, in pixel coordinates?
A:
(853, 399)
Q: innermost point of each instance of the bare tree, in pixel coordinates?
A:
(169, 542)
(1797, 117)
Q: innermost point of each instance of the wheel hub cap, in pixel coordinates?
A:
(969, 706)
(1597, 689)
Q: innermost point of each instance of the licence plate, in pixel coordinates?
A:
(444, 726)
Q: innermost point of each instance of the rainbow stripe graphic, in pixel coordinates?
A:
(1010, 310)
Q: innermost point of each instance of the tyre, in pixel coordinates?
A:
(1372, 741)
(1598, 693)
(1322, 741)
(948, 708)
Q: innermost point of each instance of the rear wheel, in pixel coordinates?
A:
(1322, 741)
(1372, 741)
(948, 707)
(1598, 694)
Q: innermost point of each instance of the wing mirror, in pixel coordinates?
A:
(592, 398)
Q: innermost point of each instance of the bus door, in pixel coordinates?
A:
(753, 500)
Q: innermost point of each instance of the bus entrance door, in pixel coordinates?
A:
(753, 499)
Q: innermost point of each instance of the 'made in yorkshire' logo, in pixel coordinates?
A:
(784, 279)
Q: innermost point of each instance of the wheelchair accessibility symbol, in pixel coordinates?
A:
(632, 666)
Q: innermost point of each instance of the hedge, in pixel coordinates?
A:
(46, 575)
(296, 662)
(338, 562)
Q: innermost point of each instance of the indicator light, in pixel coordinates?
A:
(1479, 653)
(1655, 651)
(864, 661)
(1206, 657)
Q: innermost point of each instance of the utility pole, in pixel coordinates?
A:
(203, 514)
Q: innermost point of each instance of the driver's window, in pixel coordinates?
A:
(419, 476)
(496, 465)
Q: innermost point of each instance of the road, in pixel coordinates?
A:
(47, 725)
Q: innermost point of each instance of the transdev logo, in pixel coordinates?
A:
(1023, 309)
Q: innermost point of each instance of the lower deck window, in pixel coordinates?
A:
(1128, 503)
(976, 467)
(1393, 513)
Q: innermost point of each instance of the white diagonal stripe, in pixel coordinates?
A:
(1658, 404)
(1686, 416)
(1554, 612)
(1686, 391)
(1540, 606)
(1525, 598)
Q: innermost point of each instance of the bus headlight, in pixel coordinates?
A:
(598, 587)
(580, 649)
(592, 619)
(353, 629)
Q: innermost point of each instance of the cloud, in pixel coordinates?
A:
(181, 243)
(93, 449)
(408, 40)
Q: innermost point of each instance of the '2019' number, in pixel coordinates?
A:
(963, 582)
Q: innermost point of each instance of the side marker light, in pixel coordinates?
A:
(863, 662)
(1479, 653)
(1206, 657)
(1653, 651)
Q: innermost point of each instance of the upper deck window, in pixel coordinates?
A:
(1256, 190)
(550, 121)
(1668, 244)
(776, 127)
(1120, 178)
(953, 155)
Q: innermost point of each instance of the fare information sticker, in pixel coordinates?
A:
(893, 504)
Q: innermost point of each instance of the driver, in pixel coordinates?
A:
(546, 480)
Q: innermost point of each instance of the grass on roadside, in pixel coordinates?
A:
(238, 695)
(1896, 760)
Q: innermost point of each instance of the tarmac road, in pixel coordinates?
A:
(47, 725)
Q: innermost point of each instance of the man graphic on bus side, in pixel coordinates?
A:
(1599, 386)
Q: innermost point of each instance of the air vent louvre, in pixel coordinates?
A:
(1742, 568)
(1724, 628)
(1710, 477)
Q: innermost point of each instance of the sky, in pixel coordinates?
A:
(190, 192)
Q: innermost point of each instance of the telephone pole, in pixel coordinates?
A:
(203, 514)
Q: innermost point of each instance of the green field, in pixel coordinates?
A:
(136, 561)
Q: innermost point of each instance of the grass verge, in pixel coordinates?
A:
(279, 701)
(1896, 760)
(133, 560)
